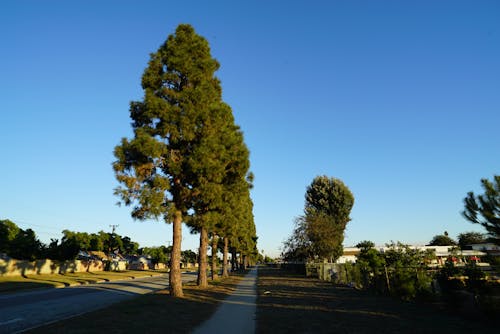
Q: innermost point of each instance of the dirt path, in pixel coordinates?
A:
(291, 303)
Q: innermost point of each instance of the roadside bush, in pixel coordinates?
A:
(400, 271)
(476, 278)
(488, 299)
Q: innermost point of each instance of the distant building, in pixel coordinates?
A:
(443, 253)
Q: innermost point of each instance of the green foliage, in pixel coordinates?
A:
(330, 197)
(442, 240)
(161, 169)
(469, 238)
(485, 209)
(325, 235)
(8, 232)
(129, 246)
(365, 245)
(371, 265)
(399, 271)
(189, 256)
(18, 243)
(475, 277)
(158, 254)
(407, 271)
(25, 246)
(267, 259)
(298, 246)
(320, 232)
(186, 154)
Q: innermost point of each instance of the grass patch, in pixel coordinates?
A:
(11, 284)
(292, 303)
(151, 313)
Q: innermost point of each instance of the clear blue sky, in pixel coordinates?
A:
(399, 99)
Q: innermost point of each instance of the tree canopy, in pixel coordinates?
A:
(18, 243)
(442, 240)
(175, 164)
(320, 231)
(469, 238)
(485, 209)
(328, 206)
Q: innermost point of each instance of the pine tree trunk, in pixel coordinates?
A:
(202, 256)
(225, 272)
(234, 263)
(175, 260)
(245, 262)
(215, 238)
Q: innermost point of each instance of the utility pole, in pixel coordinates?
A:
(113, 227)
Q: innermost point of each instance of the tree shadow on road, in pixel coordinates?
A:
(151, 313)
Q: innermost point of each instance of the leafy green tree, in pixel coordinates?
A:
(219, 153)
(328, 206)
(485, 209)
(189, 256)
(8, 232)
(237, 208)
(365, 245)
(25, 246)
(325, 235)
(96, 242)
(52, 250)
(298, 246)
(442, 240)
(370, 262)
(407, 271)
(156, 167)
(243, 238)
(469, 238)
(157, 254)
(129, 246)
(113, 243)
(72, 243)
(222, 204)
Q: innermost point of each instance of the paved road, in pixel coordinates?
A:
(26, 310)
(236, 314)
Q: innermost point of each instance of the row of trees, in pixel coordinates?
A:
(463, 240)
(24, 245)
(319, 233)
(19, 243)
(404, 272)
(187, 160)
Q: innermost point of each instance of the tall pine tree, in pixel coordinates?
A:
(159, 167)
(226, 162)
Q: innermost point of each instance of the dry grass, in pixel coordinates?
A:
(290, 303)
(151, 313)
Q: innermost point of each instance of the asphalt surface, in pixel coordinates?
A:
(27, 310)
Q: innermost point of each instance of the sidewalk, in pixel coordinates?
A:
(236, 314)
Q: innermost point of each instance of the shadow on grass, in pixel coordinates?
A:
(65, 281)
(12, 287)
(291, 303)
(151, 313)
